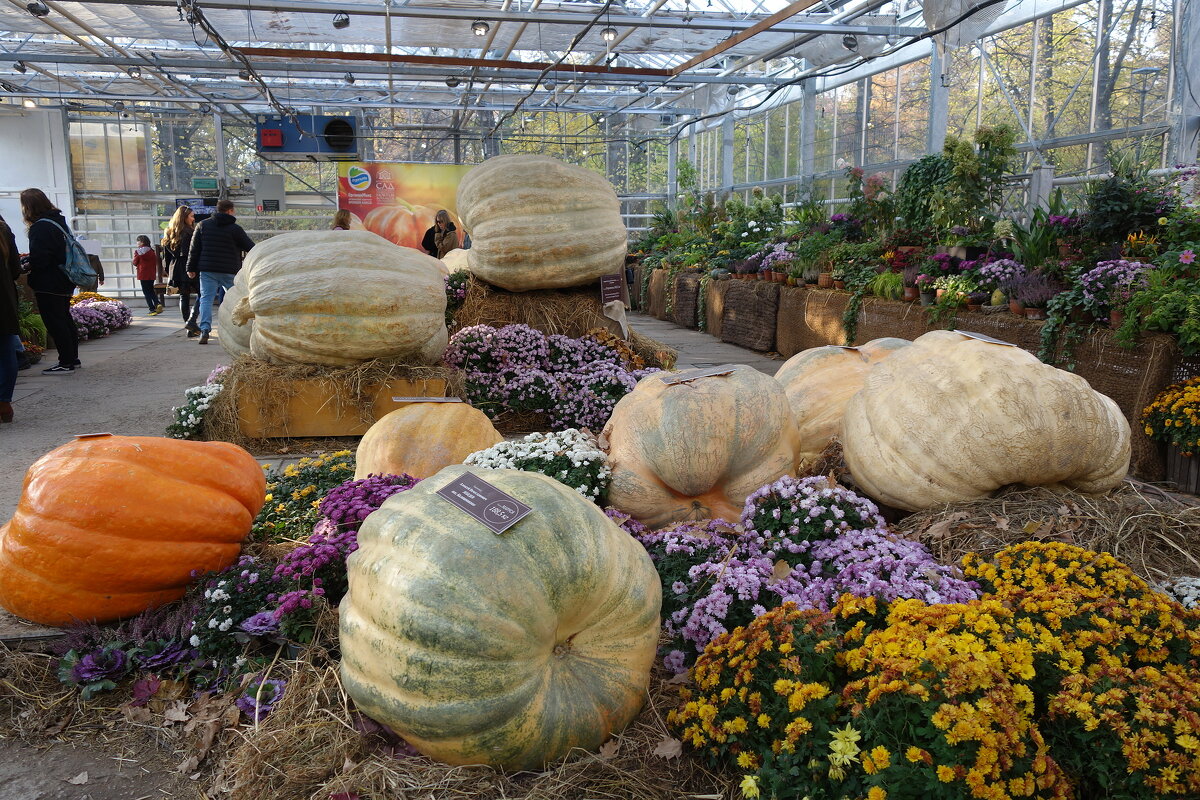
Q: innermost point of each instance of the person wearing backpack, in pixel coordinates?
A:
(216, 256)
(48, 247)
(10, 320)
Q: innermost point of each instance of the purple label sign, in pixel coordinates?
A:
(695, 375)
(494, 508)
(610, 287)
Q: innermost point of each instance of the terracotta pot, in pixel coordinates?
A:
(1016, 308)
(1035, 313)
(928, 298)
(911, 293)
(974, 306)
(1116, 318)
(825, 280)
(762, 276)
(781, 277)
(940, 293)
(839, 284)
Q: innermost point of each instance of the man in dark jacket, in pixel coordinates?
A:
(216, 256)
(10, 321)
(51, 287)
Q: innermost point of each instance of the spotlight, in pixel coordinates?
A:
(118, 105)
(19, 66)
(549, 85)
(349, 78)
(244, 74)
(480, 27)
(733, 90)
(205, 108)
(37, 9)
(452, 81)
(608, 34)
(642, 88)
(135, 72)
(850, 42)
(341, 20)
(29, 102)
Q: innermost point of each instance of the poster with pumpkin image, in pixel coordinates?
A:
(399, 201)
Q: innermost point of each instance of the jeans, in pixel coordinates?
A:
(209, 283)
(55, 310)
(8, 365)
(150, 295)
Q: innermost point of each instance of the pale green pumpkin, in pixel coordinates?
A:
(506, 649)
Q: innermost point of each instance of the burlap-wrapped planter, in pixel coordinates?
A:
(635, 292)
(656, 294)
(714, 306)
(1132, 378)
(687, 296)
(749, 314)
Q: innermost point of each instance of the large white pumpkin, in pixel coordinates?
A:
(342, 297)
(540, 223)
(234, 338)
(952, 418)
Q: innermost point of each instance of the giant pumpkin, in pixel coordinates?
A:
(820, 381)
(508, 649)
(952, 418)
(695, 450)
(340, 298)
(110, 526)
(421, 438)
(234, 338)
(540, 223)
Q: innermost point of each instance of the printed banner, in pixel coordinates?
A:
(399, 201)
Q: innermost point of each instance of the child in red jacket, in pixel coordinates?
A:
(145, 261)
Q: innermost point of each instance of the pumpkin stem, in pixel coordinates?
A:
(562, 648)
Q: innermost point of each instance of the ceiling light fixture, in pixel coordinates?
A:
(608, 34)
(205, 108)
(19, 66)
(642, 88)
(38, 9)
(135, 72)
(341, 20)
(452, 81)
(349, 78)
(118, 105)
(244, 74)
(850, 42)
(480, 28)
(549, 85)
(733, 90)
(29, 102)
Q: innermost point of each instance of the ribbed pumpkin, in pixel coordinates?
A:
(340, 298)
(456, 261)
(508, 650)
(694, 451)
(540, 223)
(421, 438)
(110, 526)
(234, 338)
(400, 223)
(952, 418)
(820, 381)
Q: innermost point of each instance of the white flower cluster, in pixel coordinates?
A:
(1185, 590)
(572, 457)
(189, 417)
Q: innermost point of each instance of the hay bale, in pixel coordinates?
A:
(351, 392)
(749, 316)
(687, 297)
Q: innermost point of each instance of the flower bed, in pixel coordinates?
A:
(517, 369)
(95, 319)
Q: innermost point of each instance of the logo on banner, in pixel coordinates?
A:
(359, 179)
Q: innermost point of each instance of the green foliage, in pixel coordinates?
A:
(917, 187)
(1127, 201)
(976, 176)
(1168, 304)
(888, 285)
(32, 329)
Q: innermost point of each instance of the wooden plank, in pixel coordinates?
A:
(779, 16)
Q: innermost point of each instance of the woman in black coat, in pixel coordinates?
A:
(10, 322)
(52, 288)
(176, 244)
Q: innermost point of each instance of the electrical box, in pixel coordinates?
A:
(270, 137)
(269, 194)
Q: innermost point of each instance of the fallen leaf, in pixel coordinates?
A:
(1063, 511)
(177, 712)
(144, 689)
(1031, 526)
(669, 748)
(189, 765)
(938, 530)
(61, 725)
(610, 749)
(139, 715)
(779, 572)
(1000, 522)
(79, 779)
(678, 678)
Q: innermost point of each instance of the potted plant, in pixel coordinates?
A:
(909, 276)
(1000, 276)
(838, 276)
(1033, 292)
(1110, 283)
(1172, 420)
(926, 289)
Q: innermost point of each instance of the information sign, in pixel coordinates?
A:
(687, 377)
(495, 509)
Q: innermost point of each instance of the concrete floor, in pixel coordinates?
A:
(698, 349)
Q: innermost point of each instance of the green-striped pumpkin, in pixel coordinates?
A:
(506, 649)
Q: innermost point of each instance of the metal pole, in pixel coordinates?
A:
(808, 135)
(219, 146)
(672, 172)
(726, 156)
(939, 101)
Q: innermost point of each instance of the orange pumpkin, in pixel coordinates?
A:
(404, 223)
(421, 438)
(110, 526)
(693, 451)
